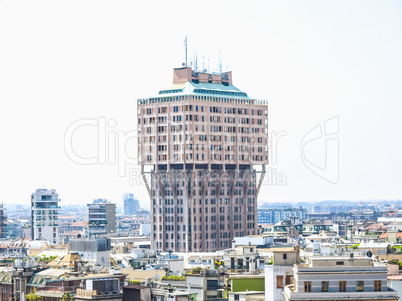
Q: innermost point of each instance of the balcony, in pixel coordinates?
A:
(291, 295)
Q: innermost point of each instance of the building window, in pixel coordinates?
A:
(377, 285)
(342, 286)
(340, 263)
(279, 281)
(288, 279)
(307, 286)
(324, 286)
(285, 256)
(360, 286)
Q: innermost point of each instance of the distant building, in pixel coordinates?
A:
(3, 222)
(44, 215)
(99, 201)
(143, 213)
(339, 278)
(101, 218)
(131, 204)
(273, 216)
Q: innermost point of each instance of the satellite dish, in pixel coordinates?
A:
(157, 277)
(369, 254)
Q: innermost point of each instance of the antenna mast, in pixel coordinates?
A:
(220, 62)
(185, 44)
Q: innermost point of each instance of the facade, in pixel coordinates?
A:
(273, 216)
(339, 278)
(131, 204)
(202, 149)
(44, 215)
(101, 218)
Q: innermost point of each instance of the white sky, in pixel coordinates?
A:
(61, 61)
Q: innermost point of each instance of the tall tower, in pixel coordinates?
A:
(45, 215)
(203, 147)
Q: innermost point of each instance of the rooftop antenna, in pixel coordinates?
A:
(203, 64)
(220, 62)
(208, 65)
(196, 62)
(185, 45)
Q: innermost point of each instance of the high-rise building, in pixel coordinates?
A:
(45, 215)
(131, 204)
(101, 218)
(203, 147)
(3, 222)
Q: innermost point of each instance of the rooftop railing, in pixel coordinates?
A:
(228, 100)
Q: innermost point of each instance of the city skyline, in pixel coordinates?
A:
(313, 62)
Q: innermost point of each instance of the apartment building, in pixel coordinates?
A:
(101, 218)
(44, 215)
(202, 146)
(273, 216)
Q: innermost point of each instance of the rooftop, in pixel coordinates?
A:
(190, 85)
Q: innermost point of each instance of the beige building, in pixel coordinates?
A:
(203, 147)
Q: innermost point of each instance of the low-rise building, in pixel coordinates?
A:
(339, 278)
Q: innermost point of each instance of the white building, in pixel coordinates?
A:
(339, 278)
(44, 215)
(145, 229)
(279, 272)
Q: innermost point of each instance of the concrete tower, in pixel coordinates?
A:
(203, 147)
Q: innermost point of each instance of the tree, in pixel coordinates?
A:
(32, 296)
(67, 297)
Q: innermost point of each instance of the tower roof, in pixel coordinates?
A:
(202, 89)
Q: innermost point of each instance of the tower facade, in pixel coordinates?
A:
(45, 215)
(203, 147)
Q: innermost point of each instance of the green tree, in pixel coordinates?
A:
(32, 296)
(67, 297)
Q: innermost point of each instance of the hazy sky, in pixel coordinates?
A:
(64, 61)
